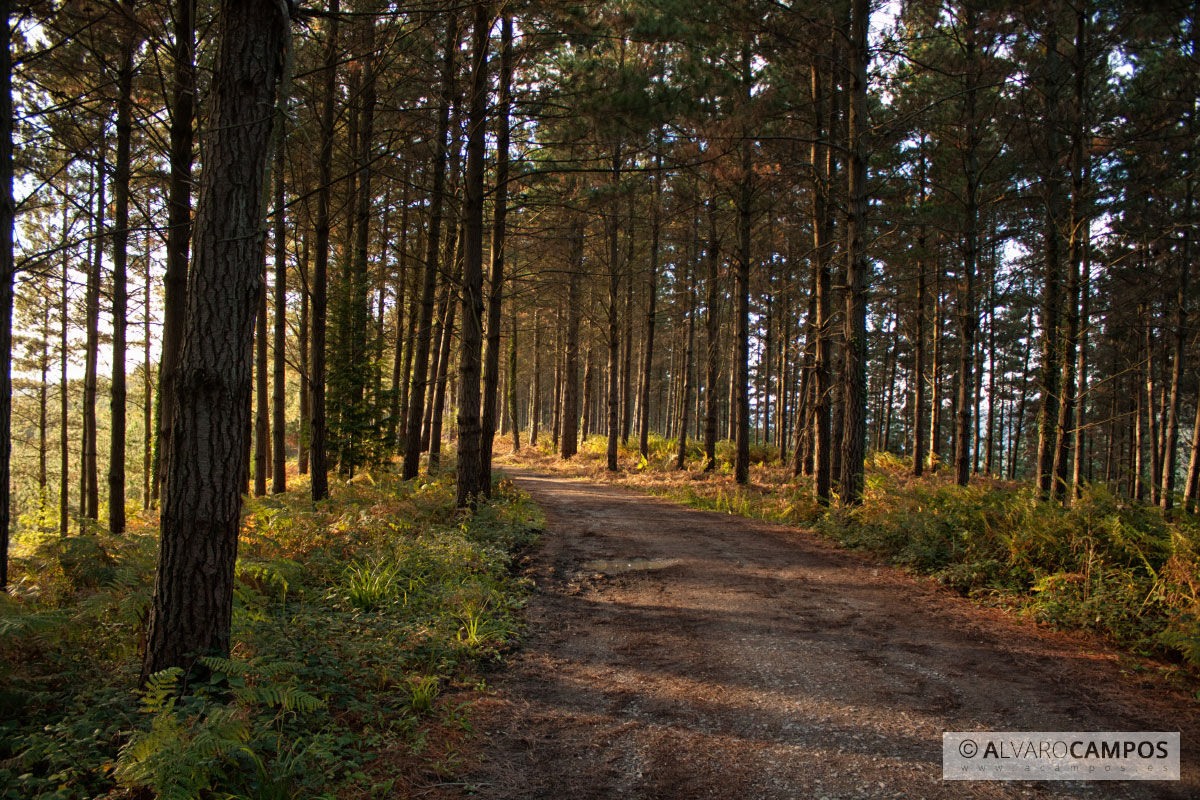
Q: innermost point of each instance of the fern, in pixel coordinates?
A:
(162, 689)
(277, 694)
(13, 625)
(179, 758)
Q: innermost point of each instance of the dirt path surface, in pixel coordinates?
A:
(748, 660)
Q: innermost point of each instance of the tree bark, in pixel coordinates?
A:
(535, 415)
(90, 501)
(471, 469)
(192, 604)
(681, 455)
(302, 454)
(651, 303)
(745, 195)
(279, 377)
(320, 277)
(7, 214)
(437, 402)
(569, 416)
(513, 406)
(968, 319)
(147, 383)
(398, 397)
(491, 362)
(179, 228)
(262, 407)
(855, 353)
(420, 373)
(614, 330)
(120, 290)
(919, 334)
(64, 452)
(712, 341)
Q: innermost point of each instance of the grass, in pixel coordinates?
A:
(362, 626)
(1102, 564)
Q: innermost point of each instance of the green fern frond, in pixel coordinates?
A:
(279, 695)
(31, 622)
(161, 691)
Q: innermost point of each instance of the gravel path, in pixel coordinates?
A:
(675, 653)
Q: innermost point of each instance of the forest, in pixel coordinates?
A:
(269, 258)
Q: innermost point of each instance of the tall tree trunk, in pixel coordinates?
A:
(420, 374)
(627, 339)
(712, 343)
(745, 196)
(1193, 479)
(469, 485)
(823, 167)
(652, 298)
(147, 383)
(437, 403)
(398, 397)
(802, 452)
(1153, 391)
(1019, 425)
(968, 319)
(7, 214)
(279, 367)
(452, 258)
(559, 365)
(90, 500)
(1171, 449)
(491, 362)
(179, 227)
(589, 384)
(1081, 387)
(355, 450)
(320, 279)
(192, 604)
(514, 408)
(535, 416)
(120, 291)
(569, 416)
(44, 368)
(262, 406)
(1143, 410)
(935, 383)
(305, 384)
(991, 403)
(64, 450)
(689, 279)
(919, 334)
(614, 330)
(855, 356)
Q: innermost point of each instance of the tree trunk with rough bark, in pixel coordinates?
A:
(569, 415)
(120, 288)
(279, 364)
(469, 486)
(855, 352)
(491, 361)
(424, 333)
(179, 227)
(192, 604)
(320, 278)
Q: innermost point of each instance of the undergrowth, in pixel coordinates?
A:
(1100, 564)
(352, 621)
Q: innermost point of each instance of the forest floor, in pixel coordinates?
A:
(743, 659)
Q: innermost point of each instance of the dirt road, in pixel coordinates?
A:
(738, 659)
